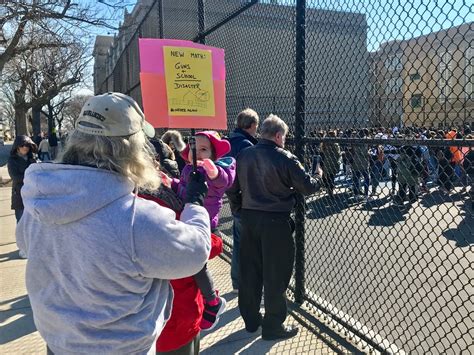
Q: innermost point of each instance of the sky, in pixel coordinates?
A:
(388, 20)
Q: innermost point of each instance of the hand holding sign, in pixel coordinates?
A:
(210, 168)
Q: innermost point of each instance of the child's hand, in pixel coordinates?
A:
(165, 179)
(209, 167)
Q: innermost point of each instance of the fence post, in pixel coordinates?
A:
(201, 20)
(300, 146)
(160, 19)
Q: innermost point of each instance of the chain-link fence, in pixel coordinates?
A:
(381, 96)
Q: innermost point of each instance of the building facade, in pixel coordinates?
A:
(426, 81)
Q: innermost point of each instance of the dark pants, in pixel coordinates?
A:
(18, 214)
(44, 156)
(267, 253)
(393, 168)
(234, 266)
(446, 173)
(205, 284)
(328, 180)
(376, 174)
(356, 175)
(204, 279)
(403, 191)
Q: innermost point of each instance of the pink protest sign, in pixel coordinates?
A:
(183, 84)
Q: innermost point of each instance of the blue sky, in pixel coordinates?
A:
(388, 20)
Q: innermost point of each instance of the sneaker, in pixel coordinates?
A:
(359, 198)
(212, 312)
(22, 254)
(285, 332)
(399, 204)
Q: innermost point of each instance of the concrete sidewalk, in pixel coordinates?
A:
(18, 334)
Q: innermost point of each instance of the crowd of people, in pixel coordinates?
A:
(118, 229)
(411, 169)
(119, 226)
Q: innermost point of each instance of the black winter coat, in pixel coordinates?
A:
(268, 178)
(16, 169)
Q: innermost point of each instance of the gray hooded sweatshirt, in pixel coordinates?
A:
(99, 258)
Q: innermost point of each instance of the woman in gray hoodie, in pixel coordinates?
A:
(99, 257)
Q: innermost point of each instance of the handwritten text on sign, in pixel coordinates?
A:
(189, 85)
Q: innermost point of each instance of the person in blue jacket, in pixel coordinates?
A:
(241, 138)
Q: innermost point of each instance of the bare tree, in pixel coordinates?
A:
(70, 112)
(36, 76)
(45, 46)
(16, 16)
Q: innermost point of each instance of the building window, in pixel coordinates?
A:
(393, 62)
(416, 101)
(393, 86)
(445, 75)
(415, 76)
(469, 73)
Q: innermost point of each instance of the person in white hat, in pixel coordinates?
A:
(99, 257)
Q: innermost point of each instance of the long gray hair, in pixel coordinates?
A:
(129, 156)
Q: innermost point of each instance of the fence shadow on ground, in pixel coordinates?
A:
(23, 323)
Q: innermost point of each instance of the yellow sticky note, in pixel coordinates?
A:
(189, 85)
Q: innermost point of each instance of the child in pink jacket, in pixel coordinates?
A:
(220, 174)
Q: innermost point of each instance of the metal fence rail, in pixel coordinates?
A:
(381, 94)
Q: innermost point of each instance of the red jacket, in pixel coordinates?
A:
(188, 304)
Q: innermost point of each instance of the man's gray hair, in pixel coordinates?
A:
(273, 125)
(246, 118)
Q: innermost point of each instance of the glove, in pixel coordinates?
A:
(196, 189)
(210, 168)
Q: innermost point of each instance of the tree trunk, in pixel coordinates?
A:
(21, 126)
(50, 118)
(36, 120)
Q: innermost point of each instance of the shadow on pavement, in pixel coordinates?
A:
(326, 206)
(23, 323)
(437, 198)
(17, 302)
(387, 216)
(463, 235)
(240, 342)
(327, 336)
(13, 255)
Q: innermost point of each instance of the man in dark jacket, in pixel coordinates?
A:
(268, 178)
(241, 138)
(244, 135)
(53, 144)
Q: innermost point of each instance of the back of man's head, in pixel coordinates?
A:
(246, 118)
(273, 125)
